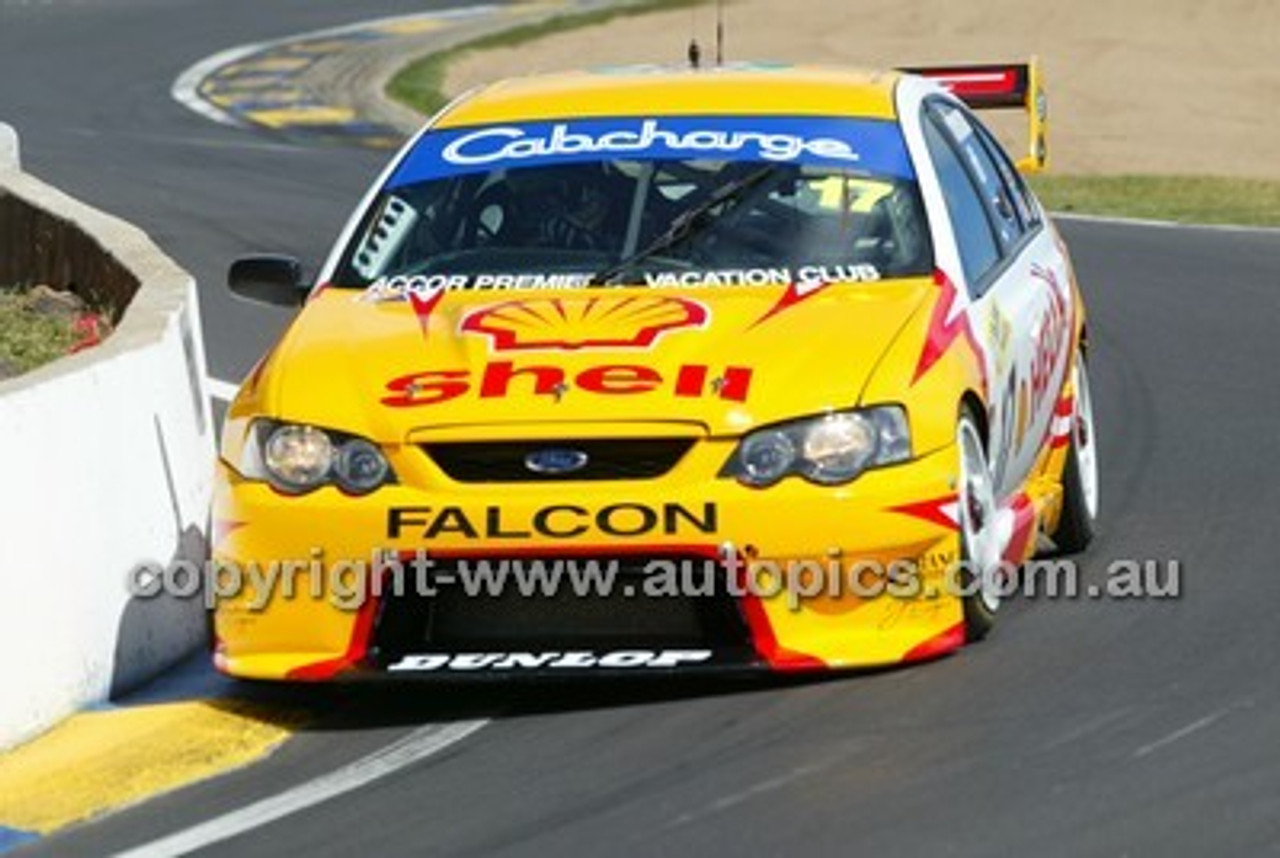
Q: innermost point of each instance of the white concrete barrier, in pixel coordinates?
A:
(9, 156)
(105, 463)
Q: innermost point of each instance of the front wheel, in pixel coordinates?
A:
(980, 549)
(1080, 475)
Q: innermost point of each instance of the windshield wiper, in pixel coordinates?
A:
(687, 223)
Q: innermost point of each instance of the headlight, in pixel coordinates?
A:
(360, 466)
(297, 459)
(766, 457)
(830, 450)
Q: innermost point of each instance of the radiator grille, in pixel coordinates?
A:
(507, 461)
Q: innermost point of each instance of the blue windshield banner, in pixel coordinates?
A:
(871, 146)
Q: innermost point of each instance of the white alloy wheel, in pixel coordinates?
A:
(980, 537)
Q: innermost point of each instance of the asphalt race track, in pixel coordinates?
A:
(1082, 727)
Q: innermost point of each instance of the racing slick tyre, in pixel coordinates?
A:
(980, 548)
(1080, 475)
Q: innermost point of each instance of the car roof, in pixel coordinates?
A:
(648, 91)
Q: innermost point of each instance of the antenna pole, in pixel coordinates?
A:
(694, 52)
(719, 32)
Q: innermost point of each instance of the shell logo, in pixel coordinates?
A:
(584, 323)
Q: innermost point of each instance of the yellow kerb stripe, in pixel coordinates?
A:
(286, 117)
(100, 761)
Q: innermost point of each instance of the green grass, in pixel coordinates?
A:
(29, 339)
(420, 85)
(1183, 199)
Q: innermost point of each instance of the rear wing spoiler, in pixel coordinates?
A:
(1018, 86)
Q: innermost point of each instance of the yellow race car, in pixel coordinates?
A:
(644, 371)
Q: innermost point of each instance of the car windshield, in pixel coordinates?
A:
(508, 220)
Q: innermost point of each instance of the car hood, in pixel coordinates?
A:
(727, 359)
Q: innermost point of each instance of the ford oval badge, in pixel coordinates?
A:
(556, 461)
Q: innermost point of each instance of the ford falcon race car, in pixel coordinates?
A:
(643, 371)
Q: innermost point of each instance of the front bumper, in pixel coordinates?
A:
(304, 569)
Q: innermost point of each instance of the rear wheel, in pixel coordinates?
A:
(980, 549)
(1080, 475)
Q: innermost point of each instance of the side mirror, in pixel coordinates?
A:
(268, 279)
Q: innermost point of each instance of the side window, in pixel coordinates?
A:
(1010, 223)
(1018, 190)
(977, 242)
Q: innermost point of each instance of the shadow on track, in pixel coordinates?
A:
(364, 705)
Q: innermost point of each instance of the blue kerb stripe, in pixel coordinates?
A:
(12, 838)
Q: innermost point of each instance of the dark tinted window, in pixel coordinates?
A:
(996, 194)
(977, 243)
(1018, 190)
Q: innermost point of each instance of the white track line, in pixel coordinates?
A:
(186, 89)
(732, 800)
(223, 391)
(1164, 224)
(1178, 735)
(418, 745)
